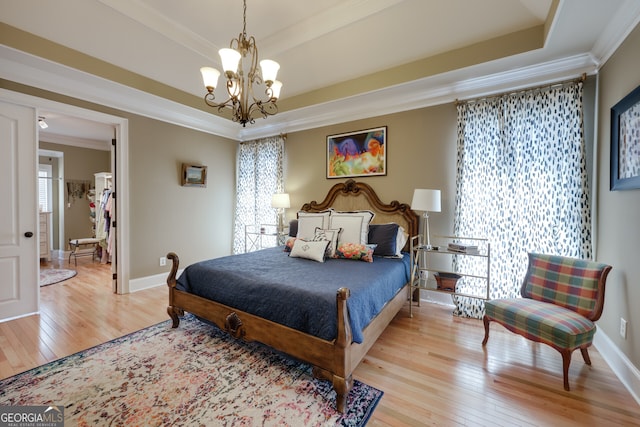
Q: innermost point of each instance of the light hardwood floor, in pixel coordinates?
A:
(432, 368)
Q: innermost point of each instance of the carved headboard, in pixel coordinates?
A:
(353, 196)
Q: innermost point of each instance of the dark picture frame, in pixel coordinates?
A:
(194, 175)
(357, 154)
(625, 143)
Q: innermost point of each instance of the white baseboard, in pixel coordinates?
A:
(441, 298)
(626, 372)
(147, 282)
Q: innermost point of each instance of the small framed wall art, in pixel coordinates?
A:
(625, 143)
(357, 154)
(194, 175)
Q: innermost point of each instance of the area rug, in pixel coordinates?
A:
(192, 375)
(49, 276)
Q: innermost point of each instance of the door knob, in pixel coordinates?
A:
(28, 234)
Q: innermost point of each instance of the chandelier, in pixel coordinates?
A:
(242, 99)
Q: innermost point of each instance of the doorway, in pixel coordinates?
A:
(73, 182)
(81, 153)
(120, 126)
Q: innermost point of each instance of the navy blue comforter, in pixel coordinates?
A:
(296, 292)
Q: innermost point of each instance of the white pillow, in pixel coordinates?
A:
(328, 234)
(355, 226)
(308, 221)
(401, 240)
(314, 251)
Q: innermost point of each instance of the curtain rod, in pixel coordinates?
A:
(547, 86)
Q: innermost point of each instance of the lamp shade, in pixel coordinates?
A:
(210, 77)
(275, 87)
(230, 59)
(280, 200)
(426, 200)
(269, 70)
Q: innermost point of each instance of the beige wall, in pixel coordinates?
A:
(619, 211)
(421, 153)
(194, 222)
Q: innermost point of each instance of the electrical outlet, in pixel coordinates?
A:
(623, 328)
(163, 261)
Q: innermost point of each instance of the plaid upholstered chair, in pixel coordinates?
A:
(561, 299)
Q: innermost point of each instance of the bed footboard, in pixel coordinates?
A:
(330, 360)
(174, 312)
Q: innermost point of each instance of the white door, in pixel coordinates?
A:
(19, 288)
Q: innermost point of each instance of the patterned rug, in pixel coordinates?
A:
(49, 276)
(192, 375)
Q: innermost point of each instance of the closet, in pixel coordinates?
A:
(101, 213)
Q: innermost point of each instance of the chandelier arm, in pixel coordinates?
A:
(209, 100)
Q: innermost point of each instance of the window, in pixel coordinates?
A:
(45, 188)
(522, 182)
(260, 175)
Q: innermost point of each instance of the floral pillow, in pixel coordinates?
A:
(289, 244)
(355, 251)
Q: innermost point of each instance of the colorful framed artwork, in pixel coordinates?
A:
(194, 175)
(357, 154)
(625, 143)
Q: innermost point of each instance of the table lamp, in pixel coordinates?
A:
(426, 200)
(280, 201)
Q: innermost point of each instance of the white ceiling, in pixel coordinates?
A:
(318, 44)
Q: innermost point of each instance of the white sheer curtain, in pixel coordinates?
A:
(522, 182)
(260, 174)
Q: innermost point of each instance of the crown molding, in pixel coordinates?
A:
(619, 28)
(30, 70)
(430, 91)
(74, 142)
(476, 81)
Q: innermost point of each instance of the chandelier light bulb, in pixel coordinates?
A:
(230, 60)
(276, 86)
(210, 77)
(269, 70)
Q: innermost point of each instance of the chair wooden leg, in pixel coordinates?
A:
(585, 356)
(486, 320)
(566, 361)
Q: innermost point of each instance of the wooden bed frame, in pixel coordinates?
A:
(332, 360)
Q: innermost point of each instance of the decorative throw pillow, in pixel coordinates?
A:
(355, 226)
(314, 251)
(385, 236)
(331, 236)
(293, 228)
(308, 221)
(355, 251)
(403, 236)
